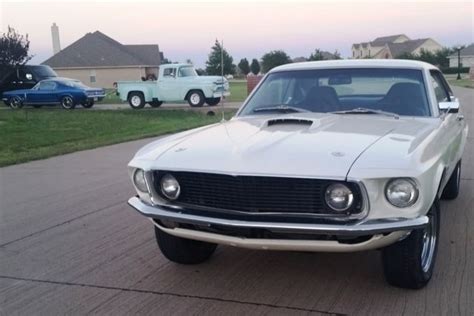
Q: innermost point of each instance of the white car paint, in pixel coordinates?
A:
(374, 148)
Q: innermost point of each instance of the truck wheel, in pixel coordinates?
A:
(15, 102)
(213, 101)
(196, 99)
(155, 104)
(67, 103)
(409, 263)
(88, 104)
(181, 250)
(136, 100)
(451, 190)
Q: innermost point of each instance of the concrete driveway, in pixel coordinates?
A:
(70, 244)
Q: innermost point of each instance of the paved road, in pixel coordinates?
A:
(167, 106)
(70, 244)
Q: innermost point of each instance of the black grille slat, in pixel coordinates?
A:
(254, 194)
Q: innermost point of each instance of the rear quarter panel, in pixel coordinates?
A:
(148, 88)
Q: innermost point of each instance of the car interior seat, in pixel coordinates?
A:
(405, 98)
(322, 99)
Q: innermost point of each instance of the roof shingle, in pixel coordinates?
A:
(98, 50)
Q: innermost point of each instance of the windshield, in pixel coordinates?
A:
(187, 72)
(400, 91)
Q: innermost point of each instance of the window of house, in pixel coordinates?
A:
(92, 76)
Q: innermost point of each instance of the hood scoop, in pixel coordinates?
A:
(289, 121)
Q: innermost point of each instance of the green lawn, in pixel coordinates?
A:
(31, 134)
(465, 83)
(238, 93)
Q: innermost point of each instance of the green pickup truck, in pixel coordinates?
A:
(176, 82)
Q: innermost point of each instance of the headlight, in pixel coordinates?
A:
(339, 197)
(170, 187)
(139, 181)
(401, 192)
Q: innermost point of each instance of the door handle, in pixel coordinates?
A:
(460, 117)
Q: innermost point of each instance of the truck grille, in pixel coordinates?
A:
(256, 194)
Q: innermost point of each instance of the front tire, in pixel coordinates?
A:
(68, 103)
(181, 250)
(451, 190)
(136, 100)
(196, 99)
(15, 102)
(213, 101)
(409, 263)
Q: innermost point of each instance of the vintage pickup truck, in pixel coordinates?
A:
(176, 82)
(335, 156)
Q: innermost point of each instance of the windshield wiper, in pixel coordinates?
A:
(367, 111)
(280, 109)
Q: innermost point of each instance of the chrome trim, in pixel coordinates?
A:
(375, 242)
(159, 201)
(367, 227)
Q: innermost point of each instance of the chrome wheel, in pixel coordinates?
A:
(16, 103)
(135, 100)
(429, 244)
(67, 102)
(195, 98)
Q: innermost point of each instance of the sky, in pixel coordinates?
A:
(187, 29)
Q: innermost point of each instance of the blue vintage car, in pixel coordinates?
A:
(66, 92)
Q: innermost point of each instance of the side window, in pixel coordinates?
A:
(24, 74)
(440, 87)
(169, 72)
(47, 85)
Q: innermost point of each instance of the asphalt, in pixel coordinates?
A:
(69, 244)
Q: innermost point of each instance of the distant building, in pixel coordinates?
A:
(467, 57)
(393, 46)
(99, 61)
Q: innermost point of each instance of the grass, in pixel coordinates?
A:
(465, 83)
(31, 134)
(238, 93)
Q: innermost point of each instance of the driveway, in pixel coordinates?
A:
(70, 244)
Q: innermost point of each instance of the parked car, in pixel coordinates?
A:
(176, 82)
(66, 92)
(24, 77)
(334, 156)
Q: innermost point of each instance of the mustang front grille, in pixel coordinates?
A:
(256, 194)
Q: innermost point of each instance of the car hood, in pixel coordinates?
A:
(302, 145)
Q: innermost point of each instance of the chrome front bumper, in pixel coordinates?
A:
(383, 231)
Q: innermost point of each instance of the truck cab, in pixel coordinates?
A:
(176, 82)
(25, 77)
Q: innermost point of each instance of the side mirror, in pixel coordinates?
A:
(449, 106)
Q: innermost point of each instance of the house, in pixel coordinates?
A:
(98, 61)
(393, 46)
(467, 57)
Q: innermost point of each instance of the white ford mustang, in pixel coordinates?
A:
(323, 156)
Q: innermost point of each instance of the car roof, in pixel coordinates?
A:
(176, 65)
(59, 79)
(355, 63)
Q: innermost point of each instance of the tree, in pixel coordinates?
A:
(213, 64)
(189, 61)
(321, 55)
(317, 55)
(273, 59)
(255, 67)
(14, 50)
(244, 66)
